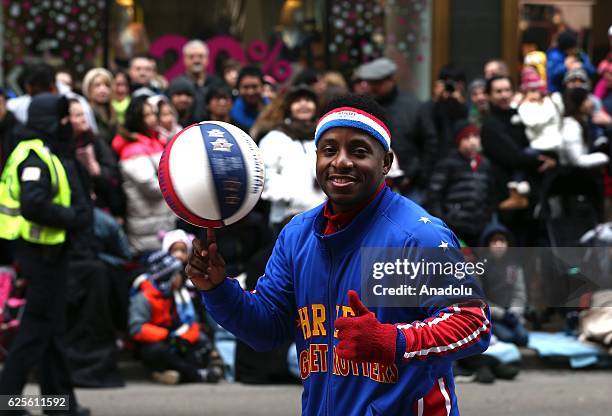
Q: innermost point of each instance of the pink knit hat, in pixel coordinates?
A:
(530, 80)
(605, 66)
(176, 236)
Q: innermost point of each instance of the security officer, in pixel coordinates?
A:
(41, 205)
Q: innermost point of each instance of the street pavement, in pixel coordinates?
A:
(534, 392)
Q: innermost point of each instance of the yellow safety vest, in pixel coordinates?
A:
(12, 223)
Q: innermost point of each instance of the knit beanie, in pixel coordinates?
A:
(536, 60)
(161, 266)
(477, 83)
(567, 40)
(577, 74)
(180, 85)
(604, 66)
(296, 93)
(176, 236)
(463, 129)
(530, 80)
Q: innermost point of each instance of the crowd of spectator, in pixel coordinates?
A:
(486, 155)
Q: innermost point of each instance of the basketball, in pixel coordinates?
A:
(211, 174)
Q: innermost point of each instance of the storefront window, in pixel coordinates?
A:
(276, 35)
(280, 36)
(66, 33)
(362, 30)
(540, 21)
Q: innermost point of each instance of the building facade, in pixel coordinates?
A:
(282, 36)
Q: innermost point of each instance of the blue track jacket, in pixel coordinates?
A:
(304, 289)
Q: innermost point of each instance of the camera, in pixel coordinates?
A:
(83, 140)
(449, 86)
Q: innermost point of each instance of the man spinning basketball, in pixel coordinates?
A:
(353, 361)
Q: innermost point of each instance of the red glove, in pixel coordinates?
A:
(363, 338)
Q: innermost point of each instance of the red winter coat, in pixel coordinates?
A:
(153, 316)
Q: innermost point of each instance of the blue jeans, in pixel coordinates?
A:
(225, 344)
(292, 361)
(517, 335)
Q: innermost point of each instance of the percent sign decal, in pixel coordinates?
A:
(258, 51)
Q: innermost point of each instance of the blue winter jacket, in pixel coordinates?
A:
(244, 115)
(555, 68)
(304, 289)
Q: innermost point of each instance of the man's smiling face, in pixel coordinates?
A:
(351, 165)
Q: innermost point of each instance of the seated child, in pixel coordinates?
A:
(163, 322)
(504, 286)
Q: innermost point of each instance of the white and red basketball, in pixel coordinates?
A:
(211, 174)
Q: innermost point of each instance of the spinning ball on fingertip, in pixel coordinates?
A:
(211, 174)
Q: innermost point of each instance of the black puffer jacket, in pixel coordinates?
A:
(413, 135)
(462, 197)
(443, 115)
(504, 142)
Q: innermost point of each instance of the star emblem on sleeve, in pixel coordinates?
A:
(443, 245)
(424, 220)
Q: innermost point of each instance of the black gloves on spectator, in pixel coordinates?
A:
(83, 217)
(510, 319)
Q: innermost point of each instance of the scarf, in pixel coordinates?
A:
(184, 306)
(298, 130)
